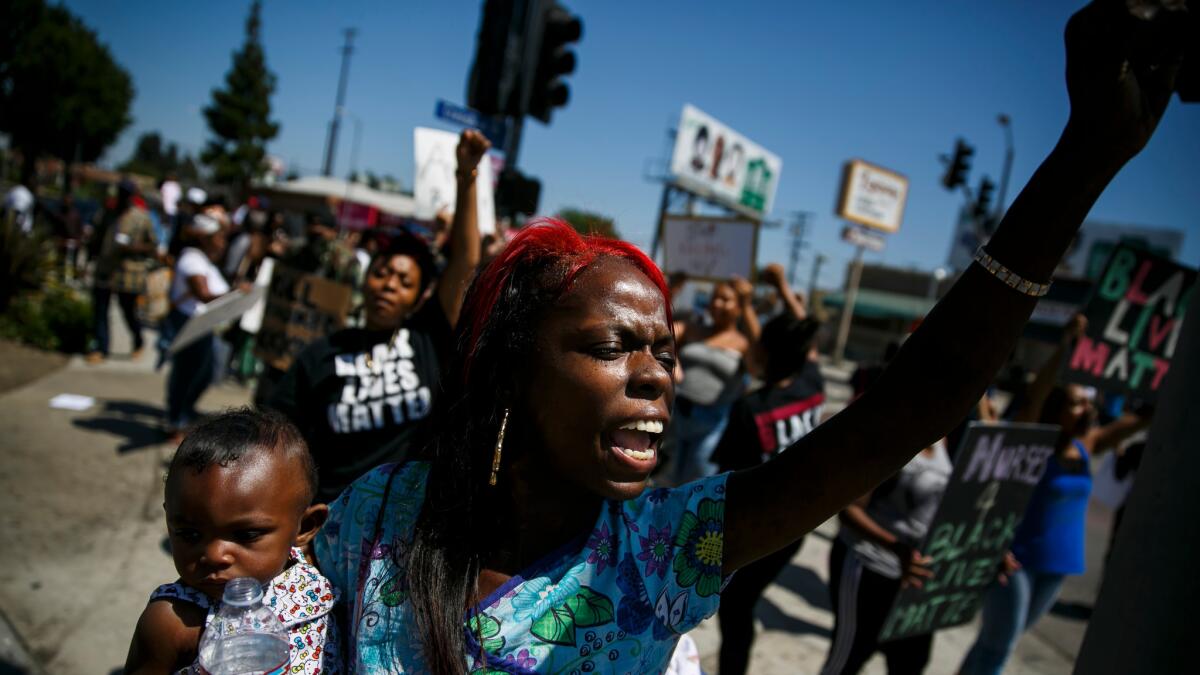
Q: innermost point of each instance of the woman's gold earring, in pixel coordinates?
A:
(499, 447)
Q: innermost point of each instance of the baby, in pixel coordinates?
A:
(238, 504)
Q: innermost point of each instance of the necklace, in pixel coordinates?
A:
(370, 361)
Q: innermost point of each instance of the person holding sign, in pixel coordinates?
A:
(525, 539)
(1049, 543)
(874, 555)
(197, 281)
(361, 395)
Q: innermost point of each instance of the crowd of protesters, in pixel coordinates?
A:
(523, 443)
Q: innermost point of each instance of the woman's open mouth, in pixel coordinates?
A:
(637, 441)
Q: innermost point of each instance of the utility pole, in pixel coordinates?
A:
(799, 231)
(850, 298)
(331, 141)
(812, 280)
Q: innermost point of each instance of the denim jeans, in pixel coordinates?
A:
(128, 302)
(191, 373)
(1009, 611)
(697, 433)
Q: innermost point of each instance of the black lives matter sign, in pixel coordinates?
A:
(997, 469)
(1134, 319)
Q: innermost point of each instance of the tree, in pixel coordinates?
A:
(587, 222)
(151, 158)
(61, 92)
(239, 116)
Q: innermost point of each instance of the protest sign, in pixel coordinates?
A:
(709, 248)
(214, 315)
(995, 472)
(300, 308)
(1134, 319)
(434, 185)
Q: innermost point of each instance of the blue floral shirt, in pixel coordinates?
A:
(613, 601)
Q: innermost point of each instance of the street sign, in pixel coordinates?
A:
(495, 128)
(872, 196)
(864, 238)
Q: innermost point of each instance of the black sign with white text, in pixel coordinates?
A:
(997, 468)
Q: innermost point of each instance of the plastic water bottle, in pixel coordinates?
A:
(245, 637)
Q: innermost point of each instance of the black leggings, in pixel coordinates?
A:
(736, 615)
(861, 600)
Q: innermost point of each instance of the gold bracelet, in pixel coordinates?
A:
(467, 175)
(1009, 277)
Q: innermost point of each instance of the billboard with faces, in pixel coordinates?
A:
(717, 163)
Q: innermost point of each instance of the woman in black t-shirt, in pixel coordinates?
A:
(762, 424)
(361, 395)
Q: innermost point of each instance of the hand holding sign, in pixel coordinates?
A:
(472, 146)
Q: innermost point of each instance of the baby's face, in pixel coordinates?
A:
(235, 521)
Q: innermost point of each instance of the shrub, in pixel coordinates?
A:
(56, 318)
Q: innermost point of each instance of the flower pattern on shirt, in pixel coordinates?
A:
(607, 602)
(656, 550)
(701, 542)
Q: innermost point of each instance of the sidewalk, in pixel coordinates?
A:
(80, 510)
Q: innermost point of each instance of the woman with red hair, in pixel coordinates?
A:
(525, 540)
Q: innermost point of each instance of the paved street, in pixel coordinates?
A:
(80, 515)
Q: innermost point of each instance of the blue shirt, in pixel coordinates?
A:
(614, 601)
(1050, 538)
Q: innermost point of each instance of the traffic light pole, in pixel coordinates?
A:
(512, 143)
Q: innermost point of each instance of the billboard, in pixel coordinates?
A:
(872, 196)
(717, 163)
(434, 185)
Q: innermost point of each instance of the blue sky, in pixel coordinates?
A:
(816, 83)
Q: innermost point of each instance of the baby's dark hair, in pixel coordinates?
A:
(230, 436)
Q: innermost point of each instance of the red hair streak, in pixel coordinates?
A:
(547, 240)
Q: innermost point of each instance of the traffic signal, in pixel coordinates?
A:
(517, 193)
(983, 199)
(494, 86)
(556, 29)
(959, 166)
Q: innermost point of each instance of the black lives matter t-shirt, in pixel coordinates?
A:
(362, 399)
(765, 422)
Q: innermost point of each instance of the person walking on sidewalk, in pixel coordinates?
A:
(127, 249)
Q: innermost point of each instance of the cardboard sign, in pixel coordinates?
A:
(300, 308)
(1134, 319)
(213, 316)
(709, 248)
(997, 468)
